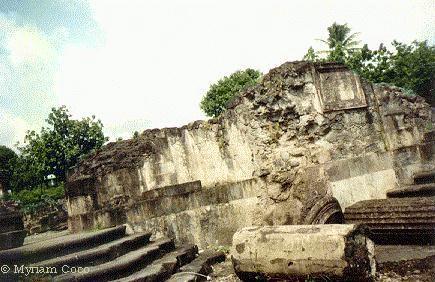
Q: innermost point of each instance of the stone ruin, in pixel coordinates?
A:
(12, 231)
(310, 144)
(304, 144)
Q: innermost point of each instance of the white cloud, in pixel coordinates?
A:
(27, 45)
(12, 129)
(159, 57)
(27, 66)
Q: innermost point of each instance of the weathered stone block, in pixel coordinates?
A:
(338, 252)
(12, 239)
(172, 190)
(10, 221)
(82, 186)
(338, 88)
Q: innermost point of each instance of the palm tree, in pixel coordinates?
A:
(340, 42)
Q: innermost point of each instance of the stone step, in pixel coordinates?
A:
(163, 268)
(424, 177)
(100, 254)
(60, 246)
(124, 265)
(427, 151)
(11, 221)
(395, 220)
(413, 204)
(199, 268)
(12, 239)
(421, 190)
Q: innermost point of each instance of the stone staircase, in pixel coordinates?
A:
(12, 231)
(109, 255)
(406, 216)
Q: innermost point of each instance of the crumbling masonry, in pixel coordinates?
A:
(305, 143)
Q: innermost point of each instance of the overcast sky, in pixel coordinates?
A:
(145, 64)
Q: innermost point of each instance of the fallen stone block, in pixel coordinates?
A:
(297, 252)
(199, 268)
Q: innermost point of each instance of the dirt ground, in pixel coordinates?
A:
(395, 264)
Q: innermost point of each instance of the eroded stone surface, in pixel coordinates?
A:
(303, 251)
(12, 231)
(305, 132)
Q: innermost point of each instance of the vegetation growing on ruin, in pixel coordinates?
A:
(410, 66)
(341, 42)
(220, 93)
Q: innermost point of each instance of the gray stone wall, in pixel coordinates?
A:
(305, 132)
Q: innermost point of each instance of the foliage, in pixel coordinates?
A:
(32, 200)
(7, 161)
(340, 42)
(410, 66)
(221, 248)
(219, 94)
(56, 148)
(311, 55)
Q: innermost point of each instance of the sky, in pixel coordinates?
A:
(146, 64)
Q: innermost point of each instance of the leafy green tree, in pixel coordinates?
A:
(56, 148)
(7, 162)
(340, 42)
(215, 100)
(411, 66)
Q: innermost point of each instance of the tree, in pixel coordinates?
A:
(311, 55)
(215, 100)
(409, 66)
(56, 148)
(340, 42)
(7, 161)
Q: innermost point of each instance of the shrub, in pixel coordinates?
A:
(32, 200)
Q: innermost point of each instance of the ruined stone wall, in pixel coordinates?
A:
(306, 132)
(213, 153)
